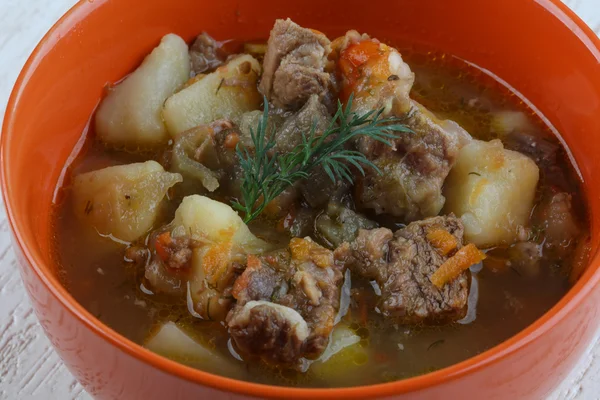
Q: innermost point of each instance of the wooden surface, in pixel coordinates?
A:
(29, 368)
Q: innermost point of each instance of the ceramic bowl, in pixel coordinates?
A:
(539, 48)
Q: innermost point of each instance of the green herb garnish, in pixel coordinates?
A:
(268, 174)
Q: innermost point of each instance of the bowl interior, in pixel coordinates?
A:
(538, 50)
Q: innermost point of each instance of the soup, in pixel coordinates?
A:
(317, 213)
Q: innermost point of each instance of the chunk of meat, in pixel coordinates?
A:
(558, 221)
(542, 151)
(295, 66)
(402, 264)
(169, 267)
(206, 54)
(280, 330)
(318, 188)
(413, 169)
(313, 113)
(374, 74)
(175, 252)
(182, 264)
(297, 286)
(415, 166)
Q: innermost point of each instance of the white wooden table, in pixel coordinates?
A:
(29, 368)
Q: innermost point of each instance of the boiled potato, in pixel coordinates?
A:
(492, 190)
(215, 221)
(122, 201)
(343, 355)
(507, 122)
(130, 116)
(172, 342)
(226, 93)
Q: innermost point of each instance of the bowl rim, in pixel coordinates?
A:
(546, 322)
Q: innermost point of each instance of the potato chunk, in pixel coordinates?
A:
(210, 219)
(492, 190)
(124, 200)
(343, 356)
(130, 116)
(172, 342)
(225, 240)
(226, 93)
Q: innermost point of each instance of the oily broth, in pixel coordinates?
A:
(95, 273)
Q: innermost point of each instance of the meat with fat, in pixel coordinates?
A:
(295, 66)
(286, 304)
(402, 263)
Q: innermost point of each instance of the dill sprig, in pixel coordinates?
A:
(268, 174)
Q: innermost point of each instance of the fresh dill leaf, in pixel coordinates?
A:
(267, 174)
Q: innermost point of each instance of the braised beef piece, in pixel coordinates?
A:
(169, 266)
(206, 54)
(555, 218)
(318, 188)
(294, 66)
(540, 150)
(207, 280)
(313, 113)
(178, 252)
(273, 332)
(401, 263)
(417, 163)
(286, 304)
(413, 168)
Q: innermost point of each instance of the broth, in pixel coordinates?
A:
(503, 301)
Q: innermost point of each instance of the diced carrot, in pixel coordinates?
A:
(216, 260)
(452, 268)
(442, 240)
(231, 140)
(162, 242)
(353, 58)
(252, 264)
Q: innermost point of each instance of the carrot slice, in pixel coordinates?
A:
(216, 260)
(241, 284)
(442, 240)
(456, 264)
(161, 245)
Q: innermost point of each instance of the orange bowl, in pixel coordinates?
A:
(540, 48)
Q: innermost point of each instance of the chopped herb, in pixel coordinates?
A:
(208, 317)
(474, 173)
(89, 206)
(393, 78)
(220, 84)
(267, 175)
